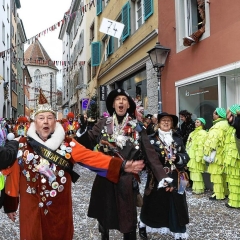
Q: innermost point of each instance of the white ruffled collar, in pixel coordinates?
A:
(166, 137)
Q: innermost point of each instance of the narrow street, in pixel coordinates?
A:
(209, 220)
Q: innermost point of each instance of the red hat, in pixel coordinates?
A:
(70, 115)
(22, 119)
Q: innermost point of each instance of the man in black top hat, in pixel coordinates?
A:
(114, 205)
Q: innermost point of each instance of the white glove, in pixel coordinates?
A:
(213, 155)
(163, 182)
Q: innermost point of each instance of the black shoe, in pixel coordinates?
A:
(143, 233)
(228, 206)
(213, 198)
(130, 235)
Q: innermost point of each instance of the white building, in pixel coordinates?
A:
(5, 61)
(43, 73)
(73, 36)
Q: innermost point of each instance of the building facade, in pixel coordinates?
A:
(203, 69)
(21, 39)
(109, 62)
(43, 74)
(125, 62)
(5, 59)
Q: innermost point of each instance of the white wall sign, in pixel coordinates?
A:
(65, 111)
(112, 28)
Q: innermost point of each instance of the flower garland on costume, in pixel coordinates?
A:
(120, 133)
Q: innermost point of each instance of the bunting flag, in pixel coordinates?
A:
(67, 16)
(36, 89)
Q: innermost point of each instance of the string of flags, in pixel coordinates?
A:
(36, 89)
(67, 16)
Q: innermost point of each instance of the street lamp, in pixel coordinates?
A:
(158, 56)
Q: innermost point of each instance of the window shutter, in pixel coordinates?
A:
(126, 20)
(110, 46)
(82, 37)
(96, 52)
(99, 7)
(148, 9)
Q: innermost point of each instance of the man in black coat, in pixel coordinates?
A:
(8, 153)
(114, 205)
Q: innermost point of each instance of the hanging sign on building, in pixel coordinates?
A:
(103, 93)
(65, 111)
(85, 103)
(111, 28)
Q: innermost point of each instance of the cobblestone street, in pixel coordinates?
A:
(208, 219)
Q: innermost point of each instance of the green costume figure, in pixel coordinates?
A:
(213, 153)
(194, 147)
(232, 164)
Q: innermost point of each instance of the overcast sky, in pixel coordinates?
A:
(38, 15)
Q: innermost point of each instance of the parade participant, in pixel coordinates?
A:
(194, 147)
(187, 125)
(21, 128)
(71, 126)
(213, 153)
(163, 211)
(147, 120)
(232, 162)
(41, 178)
(8, 153)
(234, 121)
(186, 128)
(114, 205)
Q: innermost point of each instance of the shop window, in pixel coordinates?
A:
(200, 98)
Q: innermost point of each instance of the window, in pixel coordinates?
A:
(3, 33)
(148, 9)
(96, 53)
(110, 46)
(37, 84)
(7, 79)
(118, 42)
(126, 21)
(89, 75)
(3, 70)
(3, 4)
(8, 13)
(80, 77)
(8, 41)
(99, 7)
(91, 33)
(200, 98)
(14, 84)
(139, 13)
(191, 18)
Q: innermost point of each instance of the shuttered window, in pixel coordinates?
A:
(126, 21)
(110, 47)
(99, 7)
(148, 9)
(96, 53)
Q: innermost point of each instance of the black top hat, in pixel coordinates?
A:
(174, 117)
(111, 97)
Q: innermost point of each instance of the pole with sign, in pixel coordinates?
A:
(111, 28)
